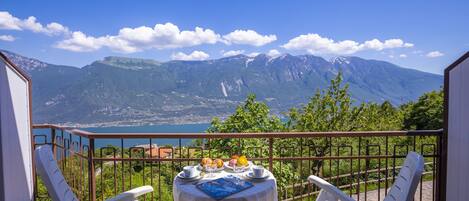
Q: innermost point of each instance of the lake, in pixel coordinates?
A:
(183, 128)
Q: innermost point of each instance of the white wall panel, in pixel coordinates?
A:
(464, 130)
(457, 187)
(15, 134)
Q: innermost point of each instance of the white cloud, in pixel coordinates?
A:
(55, 28)
(403, 55)
(7, 21)
(248, 37)
(194, 56)
(79, 42)
(434, 54)
(316, 44)
(8, 38)
(10, 22)
(232, 53)
(129, 40)
(376, 44)
(253, 54)
(273, 53)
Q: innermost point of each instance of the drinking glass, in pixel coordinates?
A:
(209, 169)
(237, 169)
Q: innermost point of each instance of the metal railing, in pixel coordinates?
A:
(100, 165)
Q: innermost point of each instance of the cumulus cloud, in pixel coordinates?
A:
(434, 54)
(7, 21)
(129, 40)
(248, 37)
(80, 42)
(273, 53)
(8, 38)
(135, 39)
(376, 44)
(10, 22)
(232, 53)
(316, 44)
(403, 55)
(194, 56)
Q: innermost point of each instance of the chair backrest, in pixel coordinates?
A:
(50, 173)
(406, 182)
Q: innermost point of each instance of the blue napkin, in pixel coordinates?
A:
(221, 188)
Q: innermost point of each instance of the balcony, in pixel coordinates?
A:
(363, 164)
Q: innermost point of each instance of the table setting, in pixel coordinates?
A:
(236, 179)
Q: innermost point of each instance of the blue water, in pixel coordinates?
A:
(183, 128)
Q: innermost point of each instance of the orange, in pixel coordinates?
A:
(219, 163)
(205, 161)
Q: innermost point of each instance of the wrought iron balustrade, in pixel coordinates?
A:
(100, 165)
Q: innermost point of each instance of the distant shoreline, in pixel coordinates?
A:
(128, 123)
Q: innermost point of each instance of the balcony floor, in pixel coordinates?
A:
(427, 191)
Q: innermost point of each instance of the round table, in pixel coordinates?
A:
(263, 190)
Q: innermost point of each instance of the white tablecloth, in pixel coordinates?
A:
(264, 190)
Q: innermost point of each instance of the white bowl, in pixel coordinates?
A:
(242, 168)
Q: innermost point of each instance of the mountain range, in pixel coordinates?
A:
(131, 91)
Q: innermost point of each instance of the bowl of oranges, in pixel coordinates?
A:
(215, 164)
(238, 163)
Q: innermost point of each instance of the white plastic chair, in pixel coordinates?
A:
(403, 188)
(58, 188)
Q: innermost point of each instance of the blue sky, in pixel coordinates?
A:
(424, 35)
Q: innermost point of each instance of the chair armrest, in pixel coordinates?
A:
(329, 188)
(132, 195)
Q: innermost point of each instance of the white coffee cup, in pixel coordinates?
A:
(258, 171)
(190, 171)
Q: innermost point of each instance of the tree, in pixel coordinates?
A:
(375, 117)
(328, 110)
(252, 116)
(331, 109)
(426, 113)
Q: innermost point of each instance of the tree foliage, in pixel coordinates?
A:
(426, 113)
(331, 109)
(252, 116)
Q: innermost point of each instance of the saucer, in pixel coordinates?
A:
(181, 175)
(251, 175)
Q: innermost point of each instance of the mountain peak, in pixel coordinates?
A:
(262, 55)
(27, 64)
(340, 60)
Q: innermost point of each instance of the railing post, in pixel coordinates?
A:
(271, 155)
(441, 167)
(53, 134)
(91, 175)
